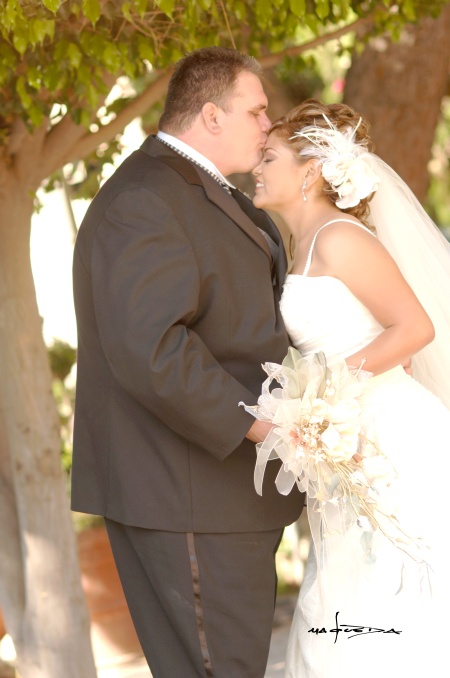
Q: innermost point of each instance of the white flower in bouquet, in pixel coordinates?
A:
(377, 467)
(321, 437)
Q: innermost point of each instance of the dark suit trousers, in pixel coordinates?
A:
(202, 604)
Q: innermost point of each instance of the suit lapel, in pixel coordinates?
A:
(215, 193)
(228, 204)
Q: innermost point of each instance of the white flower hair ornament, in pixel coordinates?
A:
(346, 164)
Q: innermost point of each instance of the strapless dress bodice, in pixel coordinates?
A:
(322, 314)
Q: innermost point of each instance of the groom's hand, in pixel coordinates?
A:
(259, 431)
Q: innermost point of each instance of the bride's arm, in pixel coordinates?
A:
(364, 265)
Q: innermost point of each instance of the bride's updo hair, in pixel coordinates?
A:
(311, 112)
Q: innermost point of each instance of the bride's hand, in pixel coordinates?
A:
(259, 431)
(407, 366)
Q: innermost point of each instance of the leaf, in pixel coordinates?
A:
(34, 77)
(322, 8)
(129, 68)
(60, 50)
(52, 5)
(240, 11)
(94, 44)
(313, 22)
(298, 7)
(12, 12)
(141, 6)
(145, 50)
(52, 77)
(22, 92)
(85, 118)
(166, 6)
(126, 11)
(36, 115)
(84, 74)
(92, 10)
(408, 10)
(292, 24)
(191, 19)
(74, 55)
(263, 10)
(92, 94)
(111, 57)
(20, 43)
(130, 64)
(345, 7)
(41, 28)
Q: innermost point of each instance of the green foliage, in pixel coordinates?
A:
(54, 52)
(319, 73)
(300, 78)
(62, 357)
(85, 521)
(64, 399)
(59, 57)
(437, 203)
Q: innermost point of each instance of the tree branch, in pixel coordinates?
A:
(272, 60)
(65, 135)
(90, 141)
(62, 136)
(18, 134)
(58, 152)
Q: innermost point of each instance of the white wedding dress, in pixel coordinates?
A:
(362, 576)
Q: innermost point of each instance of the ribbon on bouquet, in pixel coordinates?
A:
(273, 448)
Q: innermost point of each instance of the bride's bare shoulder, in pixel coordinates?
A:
(343, 247)
(347, 227)
(345, 235)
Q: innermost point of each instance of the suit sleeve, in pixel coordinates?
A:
(146, 288)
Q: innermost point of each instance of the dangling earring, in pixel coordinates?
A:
(303, 190)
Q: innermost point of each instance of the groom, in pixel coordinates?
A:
(177, 279)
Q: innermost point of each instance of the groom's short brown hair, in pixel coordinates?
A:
(207, 74)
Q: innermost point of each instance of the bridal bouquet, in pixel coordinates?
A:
(322, 436)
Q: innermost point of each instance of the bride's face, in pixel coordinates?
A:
(279, 177)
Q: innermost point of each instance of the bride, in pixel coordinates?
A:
(369, 282)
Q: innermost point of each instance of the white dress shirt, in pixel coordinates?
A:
(197, 157)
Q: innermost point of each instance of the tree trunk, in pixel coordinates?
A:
(399, 88)
(41, 597)
(40, 590)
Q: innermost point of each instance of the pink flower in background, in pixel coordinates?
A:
(338, 85)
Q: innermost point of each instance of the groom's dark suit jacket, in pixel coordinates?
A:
(177, 307)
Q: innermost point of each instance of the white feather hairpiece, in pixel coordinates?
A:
(347, 165)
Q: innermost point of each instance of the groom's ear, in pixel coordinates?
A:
(211, 116)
